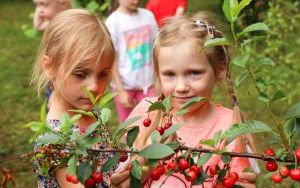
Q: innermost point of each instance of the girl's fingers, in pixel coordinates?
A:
(247, 177)
(118, 178)
(246, 184)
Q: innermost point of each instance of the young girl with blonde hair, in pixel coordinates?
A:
(76, 52)
(185, 69)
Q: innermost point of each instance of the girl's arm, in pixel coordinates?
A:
(122, 94)
(247, 179)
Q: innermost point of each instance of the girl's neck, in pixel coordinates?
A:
(201, 115)
(126, 11)
(57, 108)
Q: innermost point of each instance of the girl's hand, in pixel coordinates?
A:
(247, 179)
(125, 100)
(120, 179)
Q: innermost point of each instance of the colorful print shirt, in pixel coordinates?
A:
(45, 181)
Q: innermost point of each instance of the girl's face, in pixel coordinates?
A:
(129, 5)
(184, 73)
(94, 78)
(47, 9)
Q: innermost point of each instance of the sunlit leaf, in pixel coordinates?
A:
(171, 130)
(156, 151)
(293, 112)
(105, 115)
(156, 106)
(50, 138)
(136, 170)
(189, 104)
(216, 42)
(203, 159)
(106, 98)
(231, 9)
(71, 169)
(253, 27)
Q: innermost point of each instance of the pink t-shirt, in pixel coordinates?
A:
(190, 135)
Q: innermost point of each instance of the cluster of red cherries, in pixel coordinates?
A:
(96, 177)
(284, 171)
(160, 129)
(191, 172)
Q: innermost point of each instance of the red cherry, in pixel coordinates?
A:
(234, 175)
(89, 182)
(69, 178)
(269, 152)
(297, 153)
(123, 157)
(212, 170)
(218, 185)
(276, 178)
(167, 125)
(72, 179)
(196, 169)
(284, 171)
(191, 175)
(161, 169)
(172, 165)
(147, 122)
(295, 174)
(97, 176)
(183, 164)
(155, 175)
(271, 166)
(228, 182)
(161, 130)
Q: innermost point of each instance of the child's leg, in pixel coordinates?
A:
(122, 111)
(140, 95)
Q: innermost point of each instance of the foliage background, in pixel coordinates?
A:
(19, 103)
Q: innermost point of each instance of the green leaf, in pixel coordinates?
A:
(156, 106)
(243, 4)
(231, 9)
(292, 128)
(156, 151)
(34, 126)
(31, 33)
(167, 102)
(71, 169)
(110, 163)
(253, 27)
(91, 129)
(241, 61)
(105, 115)
(278, 95)
(90, 114)
(132, 135)
(155, 137)
(217, 136)
(173, 145)
(221, 175)
(90, 141)
(264, 61)
(92, 6)
(263, 97)
(136, 183)
(209, 142)
(50, 138)
(84, 171)
(226, 158)
(252, 126)
(136, 170)
(217, 42)
(90, 95)
(106, 98)
(66, 124)
(253, 39)
(293, 112)
(240, 78)
(125, 124)
(189, 104)
(203, 159)
(172, 130)
(200, 179)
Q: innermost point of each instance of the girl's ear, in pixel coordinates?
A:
(46, 66)
(221, 72)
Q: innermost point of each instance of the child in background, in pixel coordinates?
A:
(69, 60)
(186, 70)
(133, 31)
(163, 9)
(45, 10)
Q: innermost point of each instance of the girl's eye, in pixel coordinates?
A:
(104, 74)
(195, 73)
(168, 74)
(80, 74)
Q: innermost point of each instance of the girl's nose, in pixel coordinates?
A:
(181, 85)
(94, 86)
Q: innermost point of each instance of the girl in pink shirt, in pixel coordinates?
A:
(186, 70)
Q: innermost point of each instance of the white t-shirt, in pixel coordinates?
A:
(133, 37)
